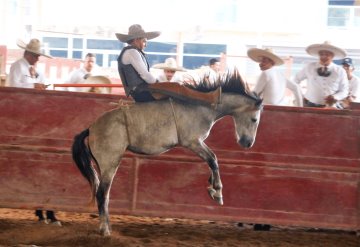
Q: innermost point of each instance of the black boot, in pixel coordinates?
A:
(39, 214)
(51, 219)
(261, 227)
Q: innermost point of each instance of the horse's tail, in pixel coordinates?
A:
(82, 156)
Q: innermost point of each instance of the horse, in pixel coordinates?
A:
(154, 127)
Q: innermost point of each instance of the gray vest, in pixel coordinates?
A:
(130, 78)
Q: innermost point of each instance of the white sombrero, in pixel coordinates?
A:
(314, 50)
(170, 64)
(33, 46)
(257, 54)
(136, 31)
(97, 79)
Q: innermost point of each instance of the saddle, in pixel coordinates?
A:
(165, 90)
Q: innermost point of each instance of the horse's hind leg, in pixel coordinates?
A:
(107, 153)
(102, 197)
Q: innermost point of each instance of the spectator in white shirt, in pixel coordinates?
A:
(354, 81)
(80, 75)
(327, 83)
(214, 64)
(23, 72)
(272, 83)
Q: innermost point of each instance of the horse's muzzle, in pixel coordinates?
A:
(246, 141)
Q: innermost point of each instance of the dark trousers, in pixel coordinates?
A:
(50, 215)
(143, 96)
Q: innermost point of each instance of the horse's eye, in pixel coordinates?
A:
(254, 120)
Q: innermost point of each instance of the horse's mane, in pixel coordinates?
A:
(232, 82)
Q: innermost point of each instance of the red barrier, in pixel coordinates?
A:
(303, 170)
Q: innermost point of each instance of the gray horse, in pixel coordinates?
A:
(155, 127)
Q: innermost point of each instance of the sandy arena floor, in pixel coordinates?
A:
(20, 228)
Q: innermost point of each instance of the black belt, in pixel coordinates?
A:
(308, 103)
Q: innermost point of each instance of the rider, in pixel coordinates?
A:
(135, 75)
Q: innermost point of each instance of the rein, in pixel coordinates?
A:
(126, 108)
(176, 124)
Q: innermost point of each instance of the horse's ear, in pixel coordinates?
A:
(258, 103)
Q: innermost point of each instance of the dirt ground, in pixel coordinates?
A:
(21, 228)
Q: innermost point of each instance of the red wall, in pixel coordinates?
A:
(303, 170)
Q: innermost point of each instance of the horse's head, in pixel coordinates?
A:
(238, 101)
(245, 107)
(246, 121)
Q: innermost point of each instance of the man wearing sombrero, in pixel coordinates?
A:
(23, 72)
(327, 83)
(272, 83)
(137, 80)
(169, 69)
(354, 81)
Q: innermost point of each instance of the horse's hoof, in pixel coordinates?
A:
(219, 200)
(105, 233)
(212, 194)
(105, 230)
(54, 222)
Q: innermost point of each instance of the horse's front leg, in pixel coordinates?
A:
(215, 187)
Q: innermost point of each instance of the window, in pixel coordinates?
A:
(343, 13)
(55, 42)
(77, 54)
(104, 44)
(194, 62)
(342, 2)
(77, 43)
(211, 49)
(112, 59)
(338, 17)
(156, 58)
(161, 47)
(58, 53)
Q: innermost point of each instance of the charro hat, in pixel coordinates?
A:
(136, 31)
(257, 54)
(314, 50)
(97, 79)
(170, 64)
(33, 46)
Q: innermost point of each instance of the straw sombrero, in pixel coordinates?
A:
(33, 46)
(314, 50)
(136, 31)
(97, 79)
(170, 64)
(257, 54)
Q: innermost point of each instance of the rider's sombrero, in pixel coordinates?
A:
(257, 54)
(170, 64)
(33, 46)
(314, 50)
(136, 31)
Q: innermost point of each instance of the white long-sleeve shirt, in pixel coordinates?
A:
(319, 87)
(78, 76)
(354, 88)
(19, 75)
(272, 86)
(133, 57)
